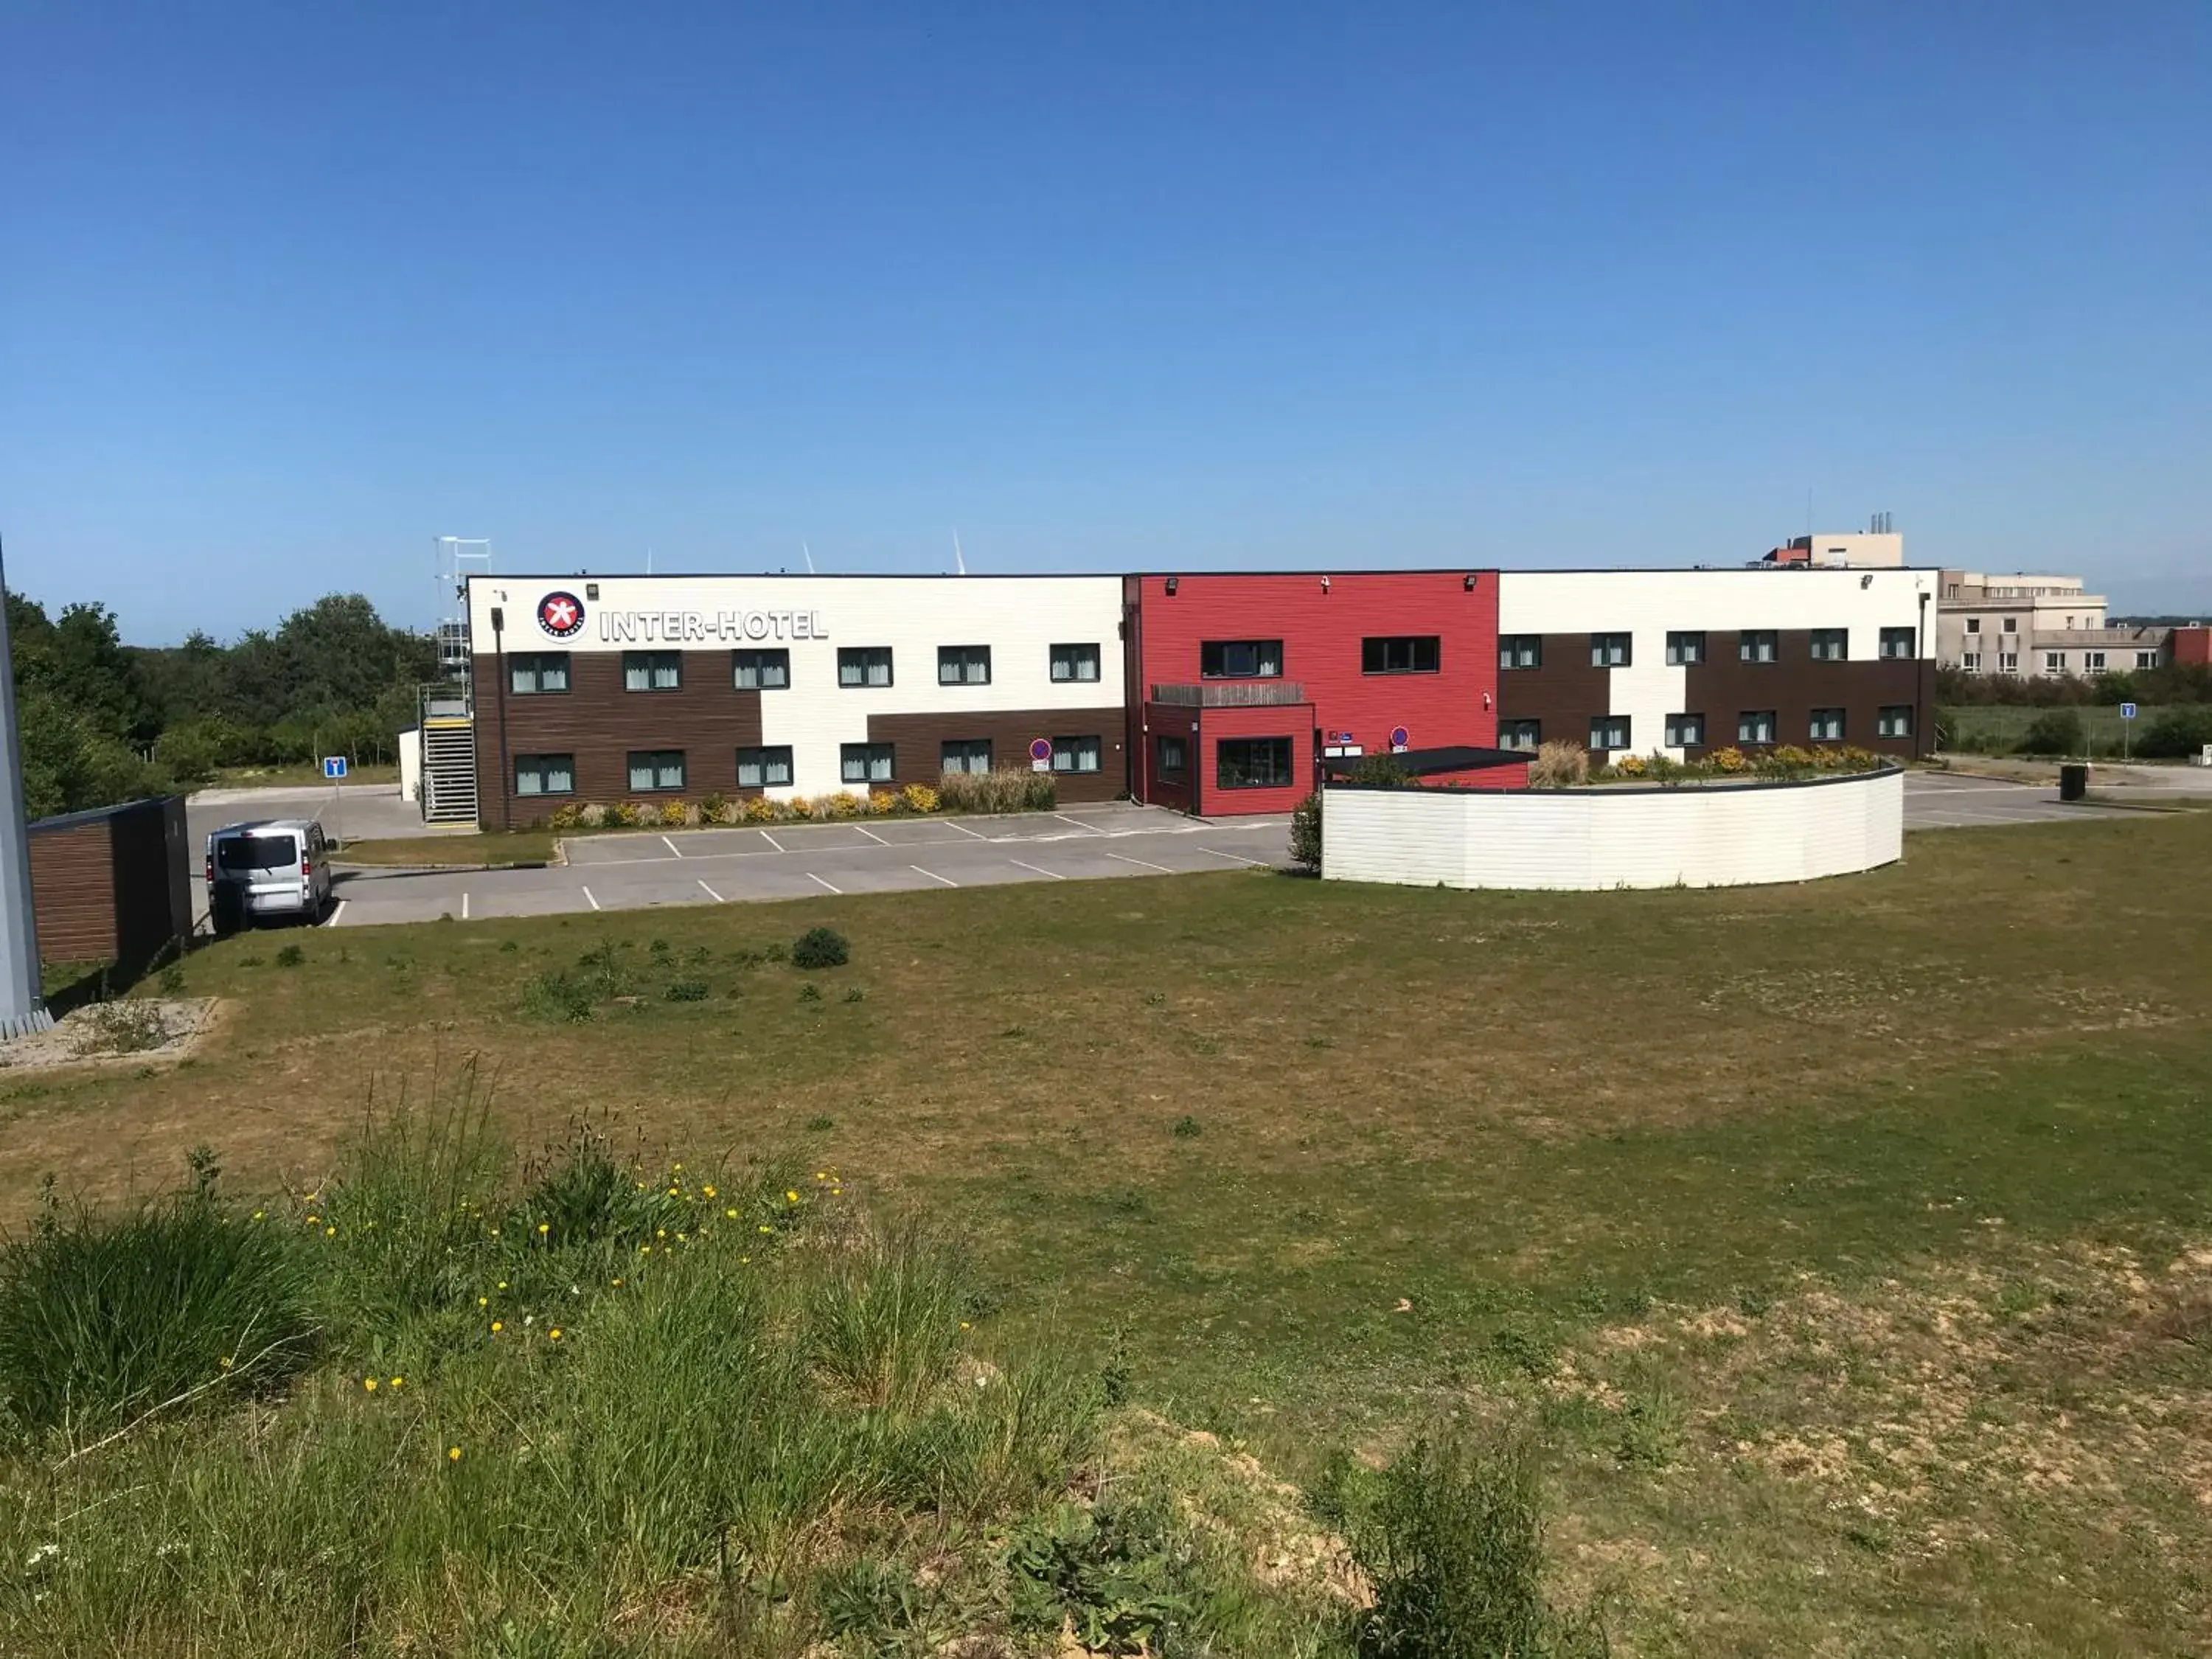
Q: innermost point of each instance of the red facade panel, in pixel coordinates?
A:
(2192, 647)
(1322, 624)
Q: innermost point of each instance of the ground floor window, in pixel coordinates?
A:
(1610, 731)
(764, 768)
(1253, 762)
(1686, 731)
(1827, 725)
(656, 769)
(1895, 721)
(867, 763)
(1755, 726)
(1077, 753)
(1520, 734)
(964, 755)
(544, 774)
(1172, 758)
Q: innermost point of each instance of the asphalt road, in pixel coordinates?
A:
(720, 867)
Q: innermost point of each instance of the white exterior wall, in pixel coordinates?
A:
(1649, 604)
(1019, 617)
(1593, 839)
(411, 763)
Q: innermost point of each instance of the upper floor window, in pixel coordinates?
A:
(1685, 650)
(1899, 641)
(1974, 624)
(761, 670)
(2012, 625)
(1240, 659)
(1611, 651)
(531, 672)
(864, 665)
(1074, 662)
(1830, 644)
(653, 671)
(1520, 650)
(1755, 645)
(1414, 653)
(963, 664)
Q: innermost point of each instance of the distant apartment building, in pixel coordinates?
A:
(2033, 626)
(1877, 550)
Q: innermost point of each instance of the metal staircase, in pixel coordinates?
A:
(449, 755)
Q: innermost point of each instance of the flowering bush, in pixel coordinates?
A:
(918, 798)
(615, 815)
(674, 815)
(570, 815)
(1730, 759)
(1630, 766)
(761, 809)
(845, 804)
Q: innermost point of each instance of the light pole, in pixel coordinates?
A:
(22, 1002)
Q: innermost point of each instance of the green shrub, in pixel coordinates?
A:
(687, 990)
(1381, 772)
(2054, 731)
(820, 947)
(290, 955)
(2177, 734)
(103, 1319)
(1117, 1572)
(1305, 832)
(1186, 1127)
(553, 996)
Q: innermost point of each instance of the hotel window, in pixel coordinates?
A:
(653, 671)
(2012, 625)
(1520, 650)
(1685, 650)
(1412, 653)
(866, 762)
(1971, 661)
(1827, 725)
(2054, 662)
(1610, 651)
(1170, 758)
(1253, 762)
(2008, 662)
(864, 665)
(963, 664)
(544, 774)
(964, 755)
(1520, 734)
(2146, 659)
(764, 768)
(1899, 642)
(761, 670)
(535, 673)
(1755, 726)
(2093, 662)
(1075, 662)
(1686, 731)
(1240, 659)
(1077, 753)
(1973, 624)
(1755, 645)
(1830, 644)
(1609, 732)
(656, 769)
(1895, 721)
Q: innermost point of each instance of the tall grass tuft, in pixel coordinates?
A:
(104, 1319)
(886, 1320)
(1004, 789)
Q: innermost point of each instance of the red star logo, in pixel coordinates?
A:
(560, 614)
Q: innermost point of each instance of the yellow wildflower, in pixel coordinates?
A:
(330, 1232)
(729, 1215)
(452, 1454)
(497, 1326)
(617, 1283)
(544, 1228)
(484, 1302)
(765, 1228)
(553, 1335)
(398, 1381)
(671, 1192)
(792, 1197)
(502, 1284)
(708, 1190)
(227, 1361)
(368, 1382)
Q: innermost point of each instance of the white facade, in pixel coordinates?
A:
(1019, 618)
(1595, 839)
(1649, 604)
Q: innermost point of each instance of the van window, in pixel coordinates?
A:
(256, 852)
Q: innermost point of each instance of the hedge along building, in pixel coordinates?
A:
(632, 687)
(1686, 662)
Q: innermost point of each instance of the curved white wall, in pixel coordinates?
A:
(1735, 836)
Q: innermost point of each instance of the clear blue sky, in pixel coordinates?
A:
(288, 291)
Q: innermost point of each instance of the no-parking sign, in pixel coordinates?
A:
(1040, 755)
(1398, 740)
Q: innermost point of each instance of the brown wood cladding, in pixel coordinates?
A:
(917, 738)
(1566, 693)
(111, 885)
(72, 894)
(599, 724)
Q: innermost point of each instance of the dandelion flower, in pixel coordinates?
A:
(617, 1283)
(965, 1325)
(544, 1227)
(729, 1215)
(744, 1260)
(497, 1327)
(671, 1192)
(313, 1220)
(822, 1175)
(494, 1232)
(645, 1249)
(227, 1361)
(553, 1335)
(369, 1383)
(257, 1215)
(330, 1232)
(765, 1228)
(792, 1197)
(677, 1169)
(484, 1302)
(660, 1232)
(452, 1454)
(708, 1190)
(398, 1381)
(501, 1285)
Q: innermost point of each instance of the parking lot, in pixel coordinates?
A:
(1948, 800)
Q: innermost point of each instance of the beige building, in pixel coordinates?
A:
(2033, 625)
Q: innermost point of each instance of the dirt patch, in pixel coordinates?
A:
(129, 1032)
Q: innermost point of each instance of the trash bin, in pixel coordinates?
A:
(2073, 780)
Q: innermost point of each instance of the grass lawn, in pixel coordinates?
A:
(494, 847)
(1847, 1248)
(1997, 729)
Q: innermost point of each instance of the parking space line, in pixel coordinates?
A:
(337, 911)
(932, 875)
(1079, 823)
(710, 892)
(871, 834)
(1162, 868)
(1234, 858)
(771, 841)
(1049, 875)
(465, 907)
(671, 847)
(818, 882)
(589, 900)
(965, 830)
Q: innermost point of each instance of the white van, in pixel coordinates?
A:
(278, 868)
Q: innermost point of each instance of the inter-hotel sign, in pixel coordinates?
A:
(675, 626)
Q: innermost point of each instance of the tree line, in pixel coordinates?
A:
(101, 722)
(2174, 683)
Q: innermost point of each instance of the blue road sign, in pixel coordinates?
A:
(2127, 711)
(334, 766)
